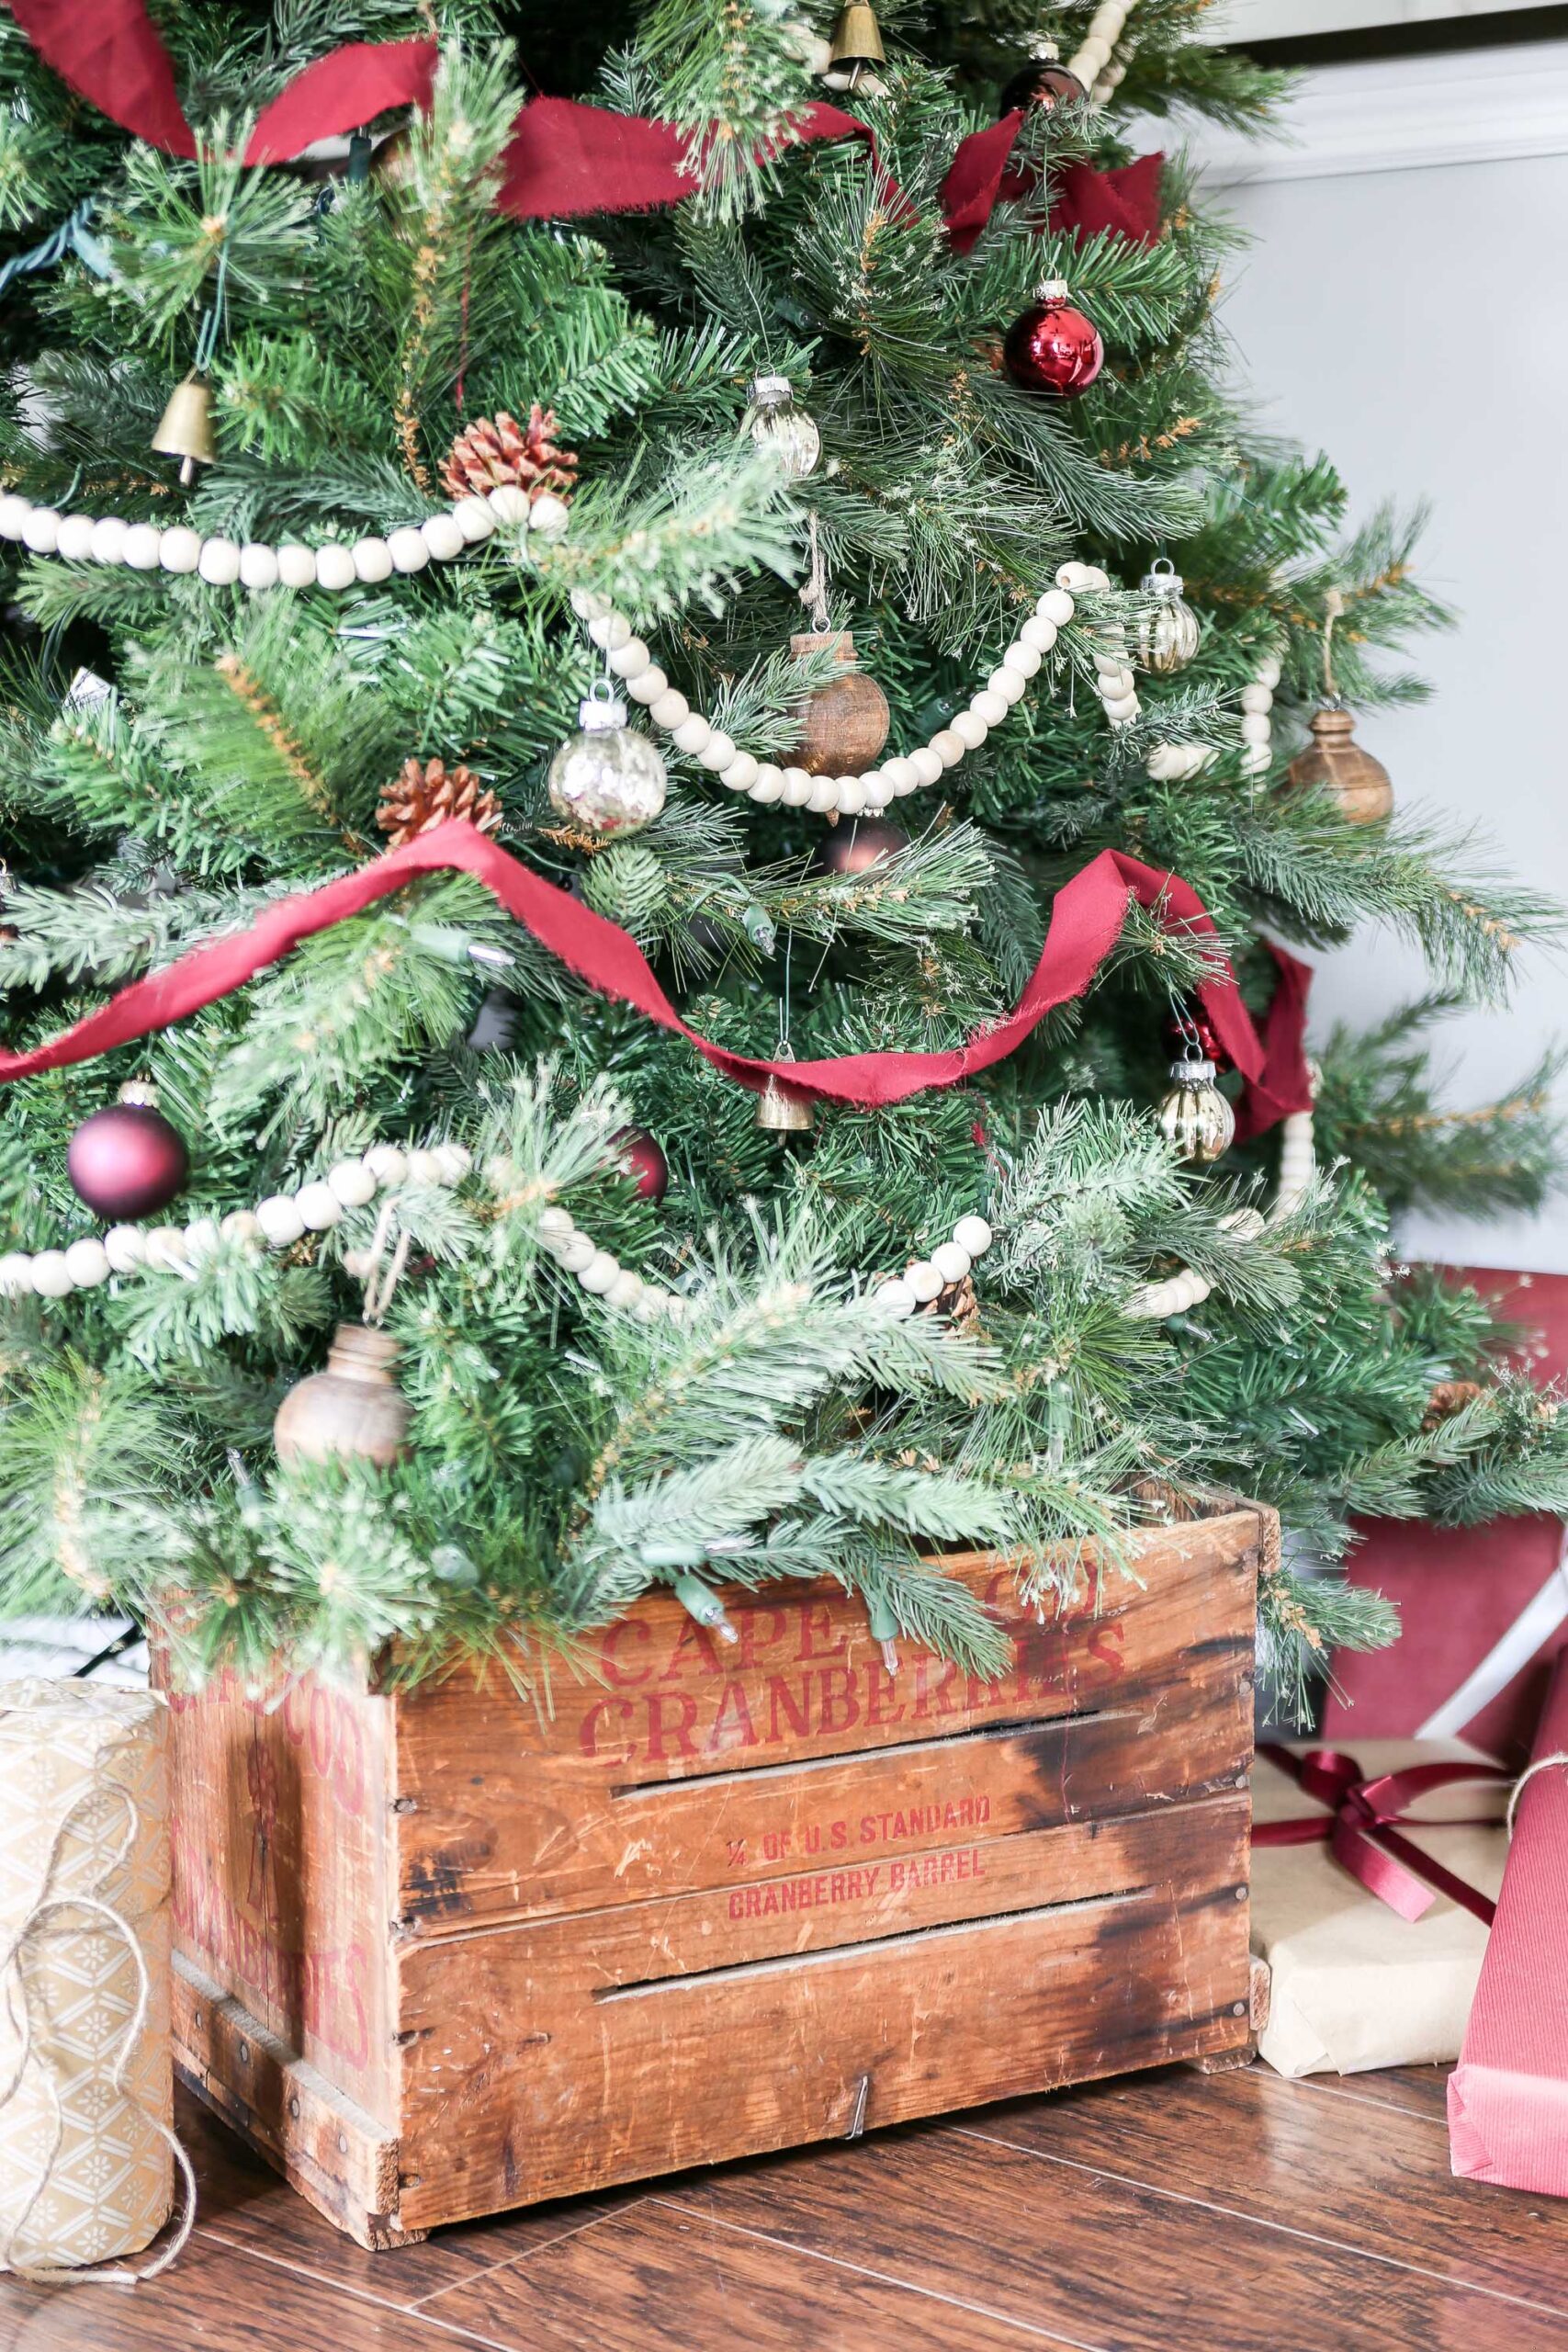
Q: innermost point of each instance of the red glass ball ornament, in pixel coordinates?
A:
(1041, 82)
(855, 847)
(127, 1162)
(1193, 1032)
(644, 1162)
(1052, 347)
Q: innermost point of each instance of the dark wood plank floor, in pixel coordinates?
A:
(1230, 2213)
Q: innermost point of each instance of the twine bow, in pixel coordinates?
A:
(13, 1989)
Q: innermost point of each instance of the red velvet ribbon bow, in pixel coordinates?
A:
(564, 159)
(1363, 1819)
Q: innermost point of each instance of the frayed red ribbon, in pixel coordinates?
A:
(1363, 1819)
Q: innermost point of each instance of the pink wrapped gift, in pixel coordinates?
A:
(1508, 2095)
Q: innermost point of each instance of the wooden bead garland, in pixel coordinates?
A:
(1178, 1293)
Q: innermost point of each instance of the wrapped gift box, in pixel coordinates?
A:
(1356, 1985)
(1508, 2095)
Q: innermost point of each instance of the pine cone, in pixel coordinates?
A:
(426, 794)
(1449, 1397)
(958, 1303)
(497, 450)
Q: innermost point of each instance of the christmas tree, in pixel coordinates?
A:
(744, 507)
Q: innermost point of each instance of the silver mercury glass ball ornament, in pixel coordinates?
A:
(606, 778)
(1170, 635)
(1195, 1116)
(774, 423)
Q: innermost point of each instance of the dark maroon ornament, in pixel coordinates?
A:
(855, 847)
(1191, 1032)
(1052, 347)
(644, 1162)
(1041, 82)
(127, 1160)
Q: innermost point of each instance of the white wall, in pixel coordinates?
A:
(1411, 323)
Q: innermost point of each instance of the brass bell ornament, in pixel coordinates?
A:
(854, 49)
(1170, 635)
(1195, 1115)
(185, 429)
(780, 1109)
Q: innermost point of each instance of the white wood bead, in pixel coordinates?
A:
(970, 728)
(351, 1183)
(576, 1253)
(279, 1219)
(649, 686)
(878, 791)
(895, 1299)
(125, 1247)
(555, 1244)
(1254, 759)
(1109, 665)
(240, 1224)
(74, 541)
(1056, 606)
(109, 539)
(424, 1168)
(258, 565)
(475, 518)
(319, 1206)
(951, 1260)
(443, 536)
(798, 787)
(1122, 709)
(40, 531)
(630, 659)
(508, 503)
(1256, 697)
(1255, 727)
(141, 549)
(589, 604)
(387, 1163)
(549, 516)
(1270, 671)
(925, 763)
(200, 1236)
(220, 562)
(296, 564)
(972, 1233)
(692, 733)
(768, 785)
(453, 1161)
(52, 1275)
(1072, 575)
(556, 1221)
(372, 560)
(948, 747)
(600, 1272)
(16, 1272)
(167, 1249)
(739, 773)
(1091, 62)
(670, 711)
(335, 566)
(898, 774)
(717, 751)
(626, 1290)
(1094, 578)
(924, 1280)
(611, 630)
(87, 1265)
(823, 795)
(852, 795)
(1022, 658)
(1011, 684)
(13, 521)
(180, 549)
(1041, 634)
(991, 707)
(408, 549)
(649, 1305)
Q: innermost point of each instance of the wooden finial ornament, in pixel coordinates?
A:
(1361, 784)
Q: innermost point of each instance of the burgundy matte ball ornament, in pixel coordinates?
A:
(644, 1162)
(1052, 347)
(856, 847)
(127, 1162)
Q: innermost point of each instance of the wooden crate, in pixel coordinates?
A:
(445, 1952)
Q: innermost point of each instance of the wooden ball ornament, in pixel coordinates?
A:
(1334, 759)
(352, 1411)
(846, 721)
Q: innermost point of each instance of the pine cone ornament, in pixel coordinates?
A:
(426, 794)
(498, 449)
(1449, 1397)
(958, 1303)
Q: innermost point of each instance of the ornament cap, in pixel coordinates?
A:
(601, 709)
(141, 1092)
(1194, 1070)
(362, 1352)
(1335, 721)
(770, 392)
(1052, 289)
(1155, 582)
(838, 641)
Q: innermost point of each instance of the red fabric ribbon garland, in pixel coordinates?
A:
(1086, 921)
(564, 159)
(1363, 1823)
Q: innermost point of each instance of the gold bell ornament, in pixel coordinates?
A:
(185, 429)
(780, 1109)
(353, 1411)
(1332, 760)
(1170, 635)
(1195, 1115)
(854, 47)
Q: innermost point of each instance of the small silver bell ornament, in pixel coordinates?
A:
(775, 422)
(1170, 635)
(1195, 1115)
(606, 778)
